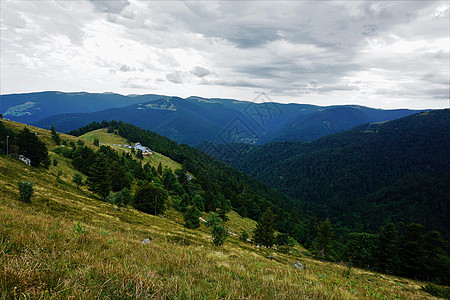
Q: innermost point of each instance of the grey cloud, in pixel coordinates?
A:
(232, 83)
(13, 19)
(110, 6)
(200, 71)
(340, 87)
(437, 78)
(125, 68)
(175, 77)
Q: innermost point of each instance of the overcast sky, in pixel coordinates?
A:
(386, 54)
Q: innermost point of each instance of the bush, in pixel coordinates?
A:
(25, 190)
(437, 291)
(243, 236)
(77, 179)
(120, 199)
(219, 232)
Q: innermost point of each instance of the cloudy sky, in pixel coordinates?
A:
(386, 54)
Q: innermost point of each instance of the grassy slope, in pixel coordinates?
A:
(109, 139)
(41, 255)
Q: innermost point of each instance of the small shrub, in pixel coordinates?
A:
(80, 143)
(77, 179)
(243, 236)
(284, 249)
(55, 162)
(120, 199)
(25, 190)
(219, 232)
(96, 142)
(79, 229)
(437, 291)
(348, 271)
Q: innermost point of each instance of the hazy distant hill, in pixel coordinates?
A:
(31, 107)
(194, 119)
(391, 171)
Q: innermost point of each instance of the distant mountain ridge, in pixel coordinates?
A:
(194, 119)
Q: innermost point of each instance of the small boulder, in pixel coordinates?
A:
(298, 265)
(146, 241)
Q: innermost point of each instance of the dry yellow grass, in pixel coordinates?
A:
(44, 255)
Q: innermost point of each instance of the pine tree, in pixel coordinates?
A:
(99, 180)
(160, 169)
(199, 202)
(118, 177)
(31, 147)
(224, 207)
(55, 135)
(191, 218)
(150, 198)
(168, 179)
(325, 234)
(388, 244)
(265, 229)
(185, 202)
(412, 250)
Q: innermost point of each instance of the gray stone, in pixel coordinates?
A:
(298, 265)
(146, 241)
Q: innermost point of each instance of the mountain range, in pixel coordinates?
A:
(194, 119)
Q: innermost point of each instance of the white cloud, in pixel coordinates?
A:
(384, 54)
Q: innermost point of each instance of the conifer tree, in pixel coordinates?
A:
(265, 229)
(99, 180)
(31, 147)
(55, 135)
(168, 179)
(191, 217)
(199, 202)
(325, 234)
(160, 169)
(150, 198)
(118, 177)
(185, 202)
(388, 245)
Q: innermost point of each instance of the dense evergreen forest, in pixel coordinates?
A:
(395, 171)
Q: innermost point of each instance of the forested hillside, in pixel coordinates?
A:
(123, 177)
(62, 239)
(393, 171)
(246, 195)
